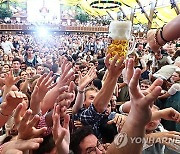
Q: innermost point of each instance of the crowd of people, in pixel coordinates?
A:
(64, 94)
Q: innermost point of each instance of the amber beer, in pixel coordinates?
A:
(120, 32)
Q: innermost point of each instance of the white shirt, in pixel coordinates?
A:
(174, 88)
(7, 46)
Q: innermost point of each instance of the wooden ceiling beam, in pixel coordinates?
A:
(123, 13)
(175, 6)
(143, 11)
(153, 6)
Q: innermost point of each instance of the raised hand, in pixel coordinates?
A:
(119, 120)
(141, 104)
(66, 95)
(13, 98)
(44, 84)
(140, 114)
(67, 76)
(114, 66)
(71, 91)
(60, 133)
(151, 41)
(19, 146)
(10, 79)
(84, 81)
(26, 124)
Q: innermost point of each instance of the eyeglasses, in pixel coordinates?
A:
(92, 150)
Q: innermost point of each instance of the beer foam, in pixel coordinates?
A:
(120, 30)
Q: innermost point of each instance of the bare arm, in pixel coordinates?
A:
(170, 32)
(79, 102)
(167, 114)
(50, 98)
(13, 98)
(9, 82)
(164, 96)
(82, 83)
(44, 84)
(114, 70)
(140, 114)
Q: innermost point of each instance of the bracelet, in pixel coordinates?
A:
(161, 34)
(3, 114)
(155, 38)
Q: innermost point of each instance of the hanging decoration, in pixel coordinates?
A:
(105, 4)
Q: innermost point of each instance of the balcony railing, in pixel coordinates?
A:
(18, 27)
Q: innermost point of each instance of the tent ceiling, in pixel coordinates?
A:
(164, 11)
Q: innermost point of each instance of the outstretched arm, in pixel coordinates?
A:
(61, 134)
(115, 68)
(9, 82)
(139, 115)
(82, 83)
(13, 98)
(44, 84)
(171, 31)
(167, 114)
(66, 77)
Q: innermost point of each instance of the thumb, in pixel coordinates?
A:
(39, 132)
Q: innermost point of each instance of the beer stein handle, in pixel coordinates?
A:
(132, 44)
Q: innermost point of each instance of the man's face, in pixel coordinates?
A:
(175, 77)
(90, 95)
(40, 69)
(16, 65)
(91, 145)
(76, 68)
(41, 55)
(144, 86)
(23, 66)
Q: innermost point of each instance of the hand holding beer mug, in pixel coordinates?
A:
(120, 32)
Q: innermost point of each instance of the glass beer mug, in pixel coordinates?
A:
(123, 43)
